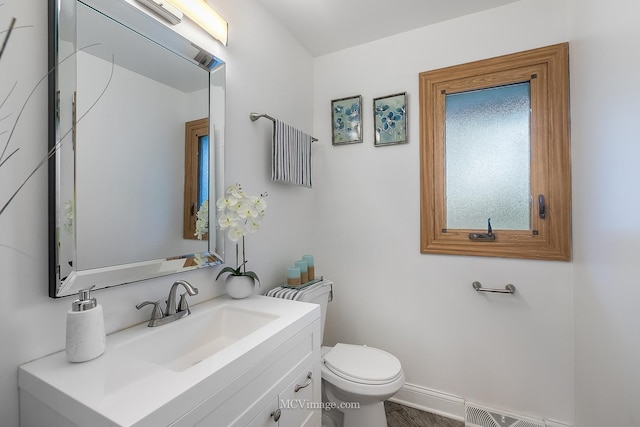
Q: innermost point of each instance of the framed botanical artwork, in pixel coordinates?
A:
(390, 119)
(346, 120)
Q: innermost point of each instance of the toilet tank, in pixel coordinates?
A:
(319, 293)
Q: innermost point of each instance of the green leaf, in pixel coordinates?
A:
(253, 275)
(237, 272)
(233, 271)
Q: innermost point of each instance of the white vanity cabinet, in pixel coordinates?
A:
(251, 381)
(297, 405)
(269, 386)
(301, 406)
(268, 417)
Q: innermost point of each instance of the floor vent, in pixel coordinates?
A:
(476, 416)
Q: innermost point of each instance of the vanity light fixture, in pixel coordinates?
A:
(162, 8)
(204, 15)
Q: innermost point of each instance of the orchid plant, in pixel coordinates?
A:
(202, 220)
(240, 214)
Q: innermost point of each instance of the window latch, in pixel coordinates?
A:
(542, 208)
(484, 237)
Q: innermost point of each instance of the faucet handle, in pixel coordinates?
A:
(156, 314)
(183, 305)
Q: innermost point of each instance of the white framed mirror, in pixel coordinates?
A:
(122, 91)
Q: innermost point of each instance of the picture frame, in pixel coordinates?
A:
(346, 120)
(390, 119)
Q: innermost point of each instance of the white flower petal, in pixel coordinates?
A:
(235, 234)
(226, 202)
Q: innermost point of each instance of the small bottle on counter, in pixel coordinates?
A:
(86, 338)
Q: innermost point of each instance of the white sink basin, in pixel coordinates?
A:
(186, 342)
(150, 376)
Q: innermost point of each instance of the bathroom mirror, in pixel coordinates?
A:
(123, 89)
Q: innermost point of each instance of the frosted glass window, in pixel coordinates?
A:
(488, 154)
(491, 152)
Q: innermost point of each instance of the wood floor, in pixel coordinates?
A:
(404, 416)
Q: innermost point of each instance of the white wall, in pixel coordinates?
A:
(276, 81)
(514, 353)
(509, 352)
(605, 89)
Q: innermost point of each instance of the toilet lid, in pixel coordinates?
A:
(362, 364)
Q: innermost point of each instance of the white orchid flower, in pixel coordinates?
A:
(235, 234)
(68, 217)
(233, 188)
(227, 220)
(236, 192)
(246, 210)
(202, 220)
(253, 226)
(226, 202)
(259, 203)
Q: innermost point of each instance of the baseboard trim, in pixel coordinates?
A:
(444, 404)
(550, 423)
(433, 401)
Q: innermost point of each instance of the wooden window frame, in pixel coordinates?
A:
(547, 70)
(193, 130)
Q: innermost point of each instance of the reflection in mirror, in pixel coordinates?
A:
(119, 178)
(196, 179)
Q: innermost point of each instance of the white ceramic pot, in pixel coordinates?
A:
(239, 287)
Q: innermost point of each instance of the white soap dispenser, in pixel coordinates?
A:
(86, 338)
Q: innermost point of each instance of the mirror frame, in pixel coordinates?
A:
(148, 27)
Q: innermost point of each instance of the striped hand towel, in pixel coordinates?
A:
(291, 155)
(296, 294)
(284, 293)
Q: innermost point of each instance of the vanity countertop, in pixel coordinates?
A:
(118, 389)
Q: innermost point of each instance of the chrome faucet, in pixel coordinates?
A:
(171, 301)
(158, 317)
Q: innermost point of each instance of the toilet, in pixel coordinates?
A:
(356, 379)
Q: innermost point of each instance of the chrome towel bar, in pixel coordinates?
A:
(509, 289)
(256, 116)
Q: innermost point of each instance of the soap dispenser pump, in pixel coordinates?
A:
(86, 338)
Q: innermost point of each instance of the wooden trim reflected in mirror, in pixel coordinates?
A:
(194, 130)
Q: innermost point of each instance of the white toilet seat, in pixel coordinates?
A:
(362, 364)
